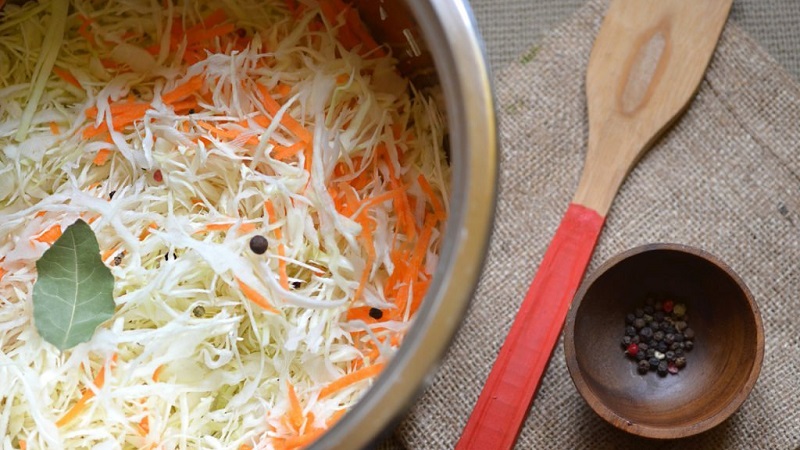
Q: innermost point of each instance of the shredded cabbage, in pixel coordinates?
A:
(175, 190)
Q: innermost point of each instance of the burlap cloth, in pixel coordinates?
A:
(725, 179)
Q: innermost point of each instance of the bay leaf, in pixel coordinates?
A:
(73, 293)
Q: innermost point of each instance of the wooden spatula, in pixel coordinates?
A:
(646, 65)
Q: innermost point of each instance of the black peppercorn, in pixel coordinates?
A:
(626, 341)
(688, 333)
(667, 327)
(680, 326)
(648, 309)
(111, 194)
(662, 347)
(669, 338)
(659, 316)
(650, 352)
(658, 336)
(629, 319)
(678, 337)
(640, 355)
(643, 367)
(639, 312)
(670, 355)
(654, 363)
(662, 368)
(688, 345)
(639, 323)
(680, 362)
(375, 313)
(678, 352)
(259, 244)
(191, 110)
(118, 258)
(674, 346)
(198, 311)
(643, 346)
(645, 333)
(630, 331)
(635, 339)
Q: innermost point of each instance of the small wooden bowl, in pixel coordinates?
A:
(721, 370)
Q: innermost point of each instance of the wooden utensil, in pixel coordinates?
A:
(646, 64)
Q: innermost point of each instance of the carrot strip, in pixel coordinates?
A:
(357, 27)
(102, 157)
(255, 297)
(303, 439)
(67, 76)
(283, 89)
(335, 417)
(157, 373)
(295, 409)
(215, 18)
(76, 409)
(50, 236)
(23, 444)
(350, 379)
(284, 153)
(144, 426)
(219, 131)
(109, 253)
(146, 231)
(184, 90)
(244, 228)
(272, 107)
(435, 203)
(281, 248)
(2, 273)
(54, 128)
(211, 33)
(83, 29)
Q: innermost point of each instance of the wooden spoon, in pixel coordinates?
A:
(646, 65)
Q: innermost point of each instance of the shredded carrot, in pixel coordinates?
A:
(272, 107)
(244, 228)
(245, 447)
(109, 253)
(102, 157)
(281, 248)
(40, 214)
(144, 426)
(283, 89)
(54, 128)
(50, 236)
(215, 18)
(157, 373)
(303, 439)
(83, 30)
(360, 313)
(284, 153)
(350, 379)
(23, 445)
(184, 90)
(335, 417)
(435, 203)
(2, 273)
(146, 231)
(211, 33)
(255, 297)
(342, 78)
(76, 409)
(295, 409)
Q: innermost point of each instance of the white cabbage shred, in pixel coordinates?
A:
(175, 192)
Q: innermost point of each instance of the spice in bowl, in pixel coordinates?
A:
(657, 336)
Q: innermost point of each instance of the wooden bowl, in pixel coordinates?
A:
(721, 369)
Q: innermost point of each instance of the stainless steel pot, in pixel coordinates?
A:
(438, 43)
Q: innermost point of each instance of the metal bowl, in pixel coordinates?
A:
(438, 45)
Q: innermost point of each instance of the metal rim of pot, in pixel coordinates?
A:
(450, 33)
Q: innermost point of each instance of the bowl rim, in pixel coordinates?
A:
(451, 35)
(645, 430)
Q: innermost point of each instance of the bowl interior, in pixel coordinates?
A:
(721, 369)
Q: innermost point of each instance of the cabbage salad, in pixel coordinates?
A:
(266, 189)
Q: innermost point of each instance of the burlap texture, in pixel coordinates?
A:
(725, 179)
(510, 27)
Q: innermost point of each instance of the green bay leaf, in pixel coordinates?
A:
(73, 293)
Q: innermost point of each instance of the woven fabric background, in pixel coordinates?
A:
(725, 179)
(511, 27)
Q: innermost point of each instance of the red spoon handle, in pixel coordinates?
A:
(517, 373)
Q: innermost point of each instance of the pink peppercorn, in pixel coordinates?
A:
(632, 349)
(668, 305)
(158, 176)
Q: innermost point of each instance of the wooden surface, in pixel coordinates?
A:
(645, 67)
(721, 369)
